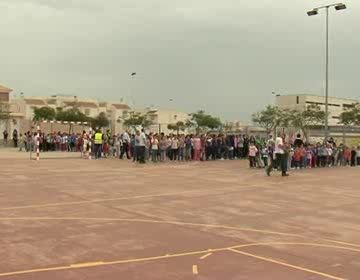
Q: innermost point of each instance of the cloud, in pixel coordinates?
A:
(222, 56)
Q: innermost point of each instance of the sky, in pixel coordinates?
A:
(225, 57)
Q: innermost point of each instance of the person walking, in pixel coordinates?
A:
(98, 144)
(5, 134)
(15, 138)
(280, 159)
(125, 143)
(21, 142)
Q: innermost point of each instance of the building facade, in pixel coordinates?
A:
(162, 118)
(11, 115)
(335, 105)
(21, 111)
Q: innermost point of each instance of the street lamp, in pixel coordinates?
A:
(314, 12)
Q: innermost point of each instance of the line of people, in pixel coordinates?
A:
(143, 147)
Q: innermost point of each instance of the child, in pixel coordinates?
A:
(309, 156)
(347, 156)
(303, 157)
(291, 159)
(154, 148)
(353, 156)
(297, 158)
(21, 142)
(265, 155)
(329, 152)
(252, 154)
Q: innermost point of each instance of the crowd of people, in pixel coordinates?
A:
(141, 147)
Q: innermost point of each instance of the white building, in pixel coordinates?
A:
(162, 118)
(22, 110)
(301, 101)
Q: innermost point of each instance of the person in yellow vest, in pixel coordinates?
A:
(98, 141)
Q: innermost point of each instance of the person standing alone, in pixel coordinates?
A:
(280, 158)
(125, 141)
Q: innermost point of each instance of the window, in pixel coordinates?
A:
(348, 106)
(322, 104)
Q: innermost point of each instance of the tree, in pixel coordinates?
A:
(351, 116)
(269, 118)
(137, 119)
(307, 118)
(179, 126)
(100, 121)
(44, 113)
(4, 111)
(201, 120)
(71, 115)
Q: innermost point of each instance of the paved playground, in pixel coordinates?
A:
(109, 219)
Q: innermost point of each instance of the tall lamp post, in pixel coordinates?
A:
(314, 12)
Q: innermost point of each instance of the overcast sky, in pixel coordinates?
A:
(225, 57)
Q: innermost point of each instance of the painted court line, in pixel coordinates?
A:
(195, 269)
(90, 264)
(287, 265)
(205, 256)
(297, 244)
(176, 255)
(343, 243)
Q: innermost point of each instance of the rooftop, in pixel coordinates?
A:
(316, 95)
(5, 89)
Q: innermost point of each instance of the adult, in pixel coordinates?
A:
(280, 157)
(140, 142)
(98, 141)
(15, 138)
(5, 134)
(298, 141)
(125, 145)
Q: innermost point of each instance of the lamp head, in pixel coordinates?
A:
(340, 6)
(312, 13)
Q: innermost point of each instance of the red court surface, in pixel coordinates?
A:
(109, 219)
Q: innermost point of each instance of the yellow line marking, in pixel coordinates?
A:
(86, 264)
(179, 223)
(296, 243)
(169, 256)
(287, 265)
(205, 256)
(343, 243)
(195, 269)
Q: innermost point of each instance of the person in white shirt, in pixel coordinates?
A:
(174, 148)
(154, 148)
(125, 141)
(280, 160)
(140, 145)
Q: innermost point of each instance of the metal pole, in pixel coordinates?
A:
(327, 78)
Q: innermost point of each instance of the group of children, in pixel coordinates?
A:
(301, 155)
